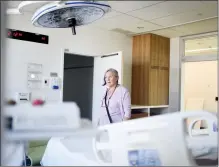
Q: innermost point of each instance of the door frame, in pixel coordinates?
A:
(183, 59)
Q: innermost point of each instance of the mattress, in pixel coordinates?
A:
(59, 154)
(75, 150)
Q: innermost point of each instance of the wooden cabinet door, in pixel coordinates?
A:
(140, 67)
(153, 85)
(163, 86)
(155, 51)
(164, 52)
(150, 70)
(136, 70)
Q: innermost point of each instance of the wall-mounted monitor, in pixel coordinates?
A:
(27, 36)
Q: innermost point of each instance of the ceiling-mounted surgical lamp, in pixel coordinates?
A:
(69, 14)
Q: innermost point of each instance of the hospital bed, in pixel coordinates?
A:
(77, 150)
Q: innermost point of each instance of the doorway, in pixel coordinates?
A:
(199, 75)
(78, 82)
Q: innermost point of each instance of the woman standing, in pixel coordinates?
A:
(116, 101)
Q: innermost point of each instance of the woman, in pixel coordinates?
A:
(116, 102)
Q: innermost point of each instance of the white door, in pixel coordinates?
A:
(101, 64)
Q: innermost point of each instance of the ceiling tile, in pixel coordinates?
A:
(111, 14)
(209, 25)
(186, 17)
(143, 26)
(167, 33)
(126, 23)
(165, 9)
(126, 6)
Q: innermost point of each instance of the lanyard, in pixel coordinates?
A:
(110, 119)
(110, 95)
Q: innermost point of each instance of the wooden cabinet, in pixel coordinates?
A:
(150, 70)
(140, 115)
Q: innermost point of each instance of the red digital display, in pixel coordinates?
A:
(27, 36)
(9, 33)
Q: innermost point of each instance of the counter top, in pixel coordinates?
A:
(142, 107)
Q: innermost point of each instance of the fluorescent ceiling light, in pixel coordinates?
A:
(198, 50)
(13, 11)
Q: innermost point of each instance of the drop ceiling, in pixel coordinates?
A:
(167, 18)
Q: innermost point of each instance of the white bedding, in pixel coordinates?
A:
(58, 154)
(71, 151)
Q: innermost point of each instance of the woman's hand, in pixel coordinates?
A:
(127, 106)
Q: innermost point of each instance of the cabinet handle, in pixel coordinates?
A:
(216, 98)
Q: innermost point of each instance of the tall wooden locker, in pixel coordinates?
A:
(150, 70)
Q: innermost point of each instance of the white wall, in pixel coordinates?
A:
(200, 83)
(88, 41)
(174, 79)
